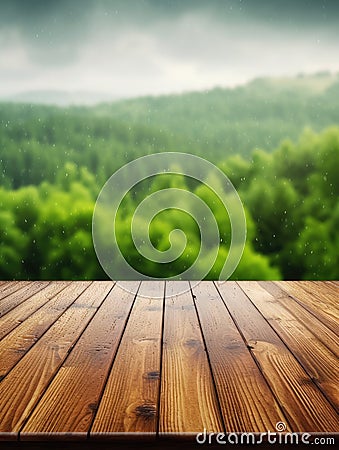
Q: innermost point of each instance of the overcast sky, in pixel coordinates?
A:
(137, 47)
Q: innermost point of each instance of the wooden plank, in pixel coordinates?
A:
(15, 344)
(288, 380)
(12, 286)
(324, 294)
(315, 305)
(16, 298)
(247, 404)
(317, 296)
(332, 285)
(24, 385)
(327, 291)
(6, 285)
(67, 408)
(315, 357)
(130, 401)
(28, 307)
(283, 301)
(188, 402)
(61, 381)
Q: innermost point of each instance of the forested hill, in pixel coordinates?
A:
(36, 140)
(223, 121)
(54, 161)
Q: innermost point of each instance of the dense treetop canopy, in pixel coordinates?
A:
(54, 161)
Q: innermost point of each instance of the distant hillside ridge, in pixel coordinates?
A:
(37, 140)
(223, 121)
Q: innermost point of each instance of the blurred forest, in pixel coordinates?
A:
(277, 140)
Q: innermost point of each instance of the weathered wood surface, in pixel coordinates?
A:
(188, 401)
(91, 361)
(245, 398)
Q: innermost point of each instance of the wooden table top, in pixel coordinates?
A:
(90, 361)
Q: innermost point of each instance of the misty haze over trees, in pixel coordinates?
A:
(276, 139)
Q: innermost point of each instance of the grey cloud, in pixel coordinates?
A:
(142, 47)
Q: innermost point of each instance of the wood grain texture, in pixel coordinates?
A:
(90, 362)
(320, 307)
(37, 368)
(67, 409)
(303, 335)
(18, 315)
(302, 316)
(288, 379)
(246, 401)
(130, 400)
(16, 298)
(15, 344)
(11, 287)
(334, 284)
(330, 295)
(4, 285)
(188, 401)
